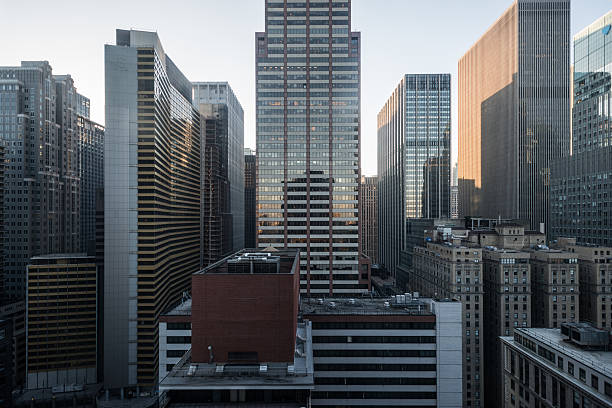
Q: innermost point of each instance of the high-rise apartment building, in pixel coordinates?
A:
(567, 367)
(38, 117)
(91, 173)
(413, 159)
(222, 169)
(514, 112)
(250, 201)
(555, 286)
(368, 200)
(308, 141)
(454, 271)
(151, 201)
(580, 184)
(3, 295)
(62, 318)
(6, 362)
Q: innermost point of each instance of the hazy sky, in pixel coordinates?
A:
(213, 40)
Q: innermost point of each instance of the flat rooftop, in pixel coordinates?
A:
(364, 306)
(297, 374)
(256, 261)
(183, 309)
(596, 359)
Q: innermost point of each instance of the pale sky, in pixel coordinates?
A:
(213, 40)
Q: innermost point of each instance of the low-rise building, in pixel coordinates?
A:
(246, 344)
(566, 367)
(380, 352)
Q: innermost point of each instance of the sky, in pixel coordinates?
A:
(214, 40)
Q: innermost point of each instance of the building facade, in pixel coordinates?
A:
(580, 183)
(250, 199)
(152, 140)
(567, 367)
(61, 344)
(6, 362)
(223, 164)
(308, 141)
(91, 173)
(368, 200)
(514, 112)
(507, 305)
(413, 159)
(555, 286)
(375, 352)
(446, 270)
(595, 263)
(39, 133)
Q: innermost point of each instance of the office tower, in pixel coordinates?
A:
(454, 194)
(223, 165)
(247, 344)
(514, 112)
(14, 312)
(368, 199)
(362, 345)
(413, 159)
(151, 202)
(61, 321)
(6, 362)
(91, 173)
(555, 286)
(3, 295)
(567, 367)
(308, 141)
(250, 202)
(595, 275)
(507, 305)
(462, 281)
(39, 131)
(579, 186)
(68, 235)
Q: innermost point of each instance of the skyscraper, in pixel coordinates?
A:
(308, 140)
(514, 112)
(368, 199)
(224, 126)
(91, 173)
(151, 201)
(413, 159)
(250, 206)
(579, 186)
(38, 112)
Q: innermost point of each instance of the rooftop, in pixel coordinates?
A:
(408, 305)
(63, 256)
(597, 359)
(183, 309)
(255, 261)
(297, 374)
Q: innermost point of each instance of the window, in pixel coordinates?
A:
(582, 374)
(594, 382)
(560, 362)
(570, 368)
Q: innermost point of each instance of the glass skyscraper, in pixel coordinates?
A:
(308, 141)
(413, 159)
(581, 184)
